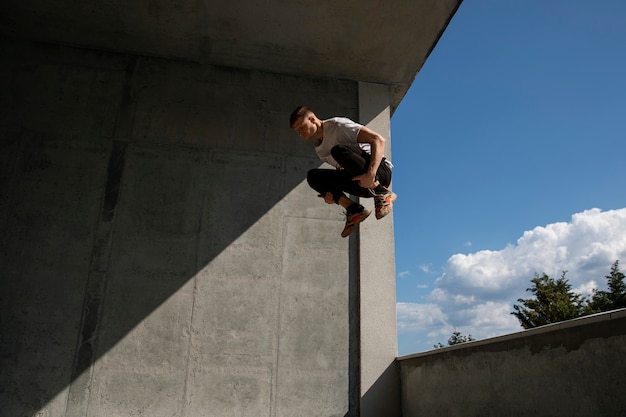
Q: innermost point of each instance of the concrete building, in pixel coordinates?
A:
(161, 254)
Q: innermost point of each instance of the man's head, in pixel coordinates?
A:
(305, 123)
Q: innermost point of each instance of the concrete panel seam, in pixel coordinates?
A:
(78, 398)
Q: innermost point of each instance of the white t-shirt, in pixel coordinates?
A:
(340, 131)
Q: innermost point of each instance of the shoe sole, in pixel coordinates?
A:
(366, 214)
(387, 208)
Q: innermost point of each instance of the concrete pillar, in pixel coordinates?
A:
(378, 341)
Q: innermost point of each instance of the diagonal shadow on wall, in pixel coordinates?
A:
(123, 179)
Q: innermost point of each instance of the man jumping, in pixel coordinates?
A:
(357, 154)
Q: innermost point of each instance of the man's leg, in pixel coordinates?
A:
(330, 180)
(355, 161)
(334, 182)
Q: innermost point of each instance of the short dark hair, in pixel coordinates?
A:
(299, 112)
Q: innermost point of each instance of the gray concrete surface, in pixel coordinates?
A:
(384, 42)
(161, 254)
(573, 368)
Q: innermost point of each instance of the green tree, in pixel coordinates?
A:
(615, 297)
(455, 339)
(554, 302)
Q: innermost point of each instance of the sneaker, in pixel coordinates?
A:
(383, 203)
(353, 220)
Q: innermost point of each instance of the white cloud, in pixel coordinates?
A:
(404, 274)
(425, 268)
(419, 317)
(586, 288)
(477, 291)
(585, 247)
(424, 324)
(487, 319)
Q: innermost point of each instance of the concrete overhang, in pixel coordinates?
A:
(382, 41)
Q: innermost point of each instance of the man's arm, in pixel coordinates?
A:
(377, 142)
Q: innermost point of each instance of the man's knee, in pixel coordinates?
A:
(338, 150)
(313, 178)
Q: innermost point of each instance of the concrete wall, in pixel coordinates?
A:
(574, 368)
(161, 254)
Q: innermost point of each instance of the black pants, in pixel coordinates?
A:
(355, 162)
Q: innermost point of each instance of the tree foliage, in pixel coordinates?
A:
(554, 300)
(455, 339)
(615, 297)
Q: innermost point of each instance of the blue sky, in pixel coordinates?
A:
(509, 153)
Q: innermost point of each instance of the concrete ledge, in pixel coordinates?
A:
(581, 321)
(573, 368)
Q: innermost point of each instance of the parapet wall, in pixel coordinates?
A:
(574, 368)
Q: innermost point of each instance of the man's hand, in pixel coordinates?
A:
(366, 180)
(328, 197)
